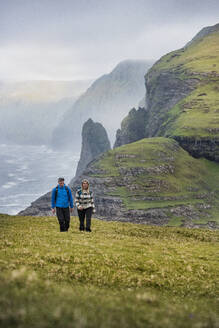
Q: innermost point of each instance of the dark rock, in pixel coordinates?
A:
(200, 147)
(94, 142)
(40, 207)
(164, 90)
(132, 127)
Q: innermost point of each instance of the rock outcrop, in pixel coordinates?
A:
(40, 207)
(94, 142)
(203, 147)
(132, 127)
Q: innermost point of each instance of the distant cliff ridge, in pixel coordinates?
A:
(107, 101)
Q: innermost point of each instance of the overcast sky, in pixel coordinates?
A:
(83, 39)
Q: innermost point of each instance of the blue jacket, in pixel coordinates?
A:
(62, 197)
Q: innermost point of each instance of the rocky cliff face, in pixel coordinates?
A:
(182, 95)
(203, 147)
(132, 127)
(94, 142)
(107, 101)
(164, 89)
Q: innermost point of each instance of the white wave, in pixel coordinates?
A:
(10, 205)
(24, 179)
(11, 161)
(11, 175)
(20, 195)
(22, 168)
(9, 185)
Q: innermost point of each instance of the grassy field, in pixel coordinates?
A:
(120, 275)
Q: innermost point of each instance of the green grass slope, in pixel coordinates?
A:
(197, 114)
(156, 173)
(201, 56)
(120, 275)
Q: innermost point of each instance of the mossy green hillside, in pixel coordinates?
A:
(120, 275)
(197, 114)
(166, 176)
(201, 56)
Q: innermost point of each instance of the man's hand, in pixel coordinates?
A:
(71, 210)
(53, 210)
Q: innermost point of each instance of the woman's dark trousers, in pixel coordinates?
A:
(63, 215)
(87, 212)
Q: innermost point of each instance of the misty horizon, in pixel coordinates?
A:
(71, 40)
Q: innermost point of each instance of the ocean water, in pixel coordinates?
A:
(27, 172)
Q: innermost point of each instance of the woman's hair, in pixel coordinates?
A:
(85, 180)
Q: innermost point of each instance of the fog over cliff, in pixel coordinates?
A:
(30, 110)
(107, 101)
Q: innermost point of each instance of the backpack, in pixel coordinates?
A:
(66, 188)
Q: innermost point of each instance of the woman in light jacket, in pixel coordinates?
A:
(85, 205)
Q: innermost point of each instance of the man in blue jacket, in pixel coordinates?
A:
(61, 200)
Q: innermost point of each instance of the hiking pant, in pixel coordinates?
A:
(63, 215)
(88, 213)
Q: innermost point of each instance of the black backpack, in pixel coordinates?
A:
(66, 188)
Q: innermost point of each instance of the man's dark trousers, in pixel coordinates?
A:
(63, 215)
(88, 213)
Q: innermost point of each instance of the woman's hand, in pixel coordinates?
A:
(80, 207)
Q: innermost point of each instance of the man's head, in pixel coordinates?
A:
(61, 182)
